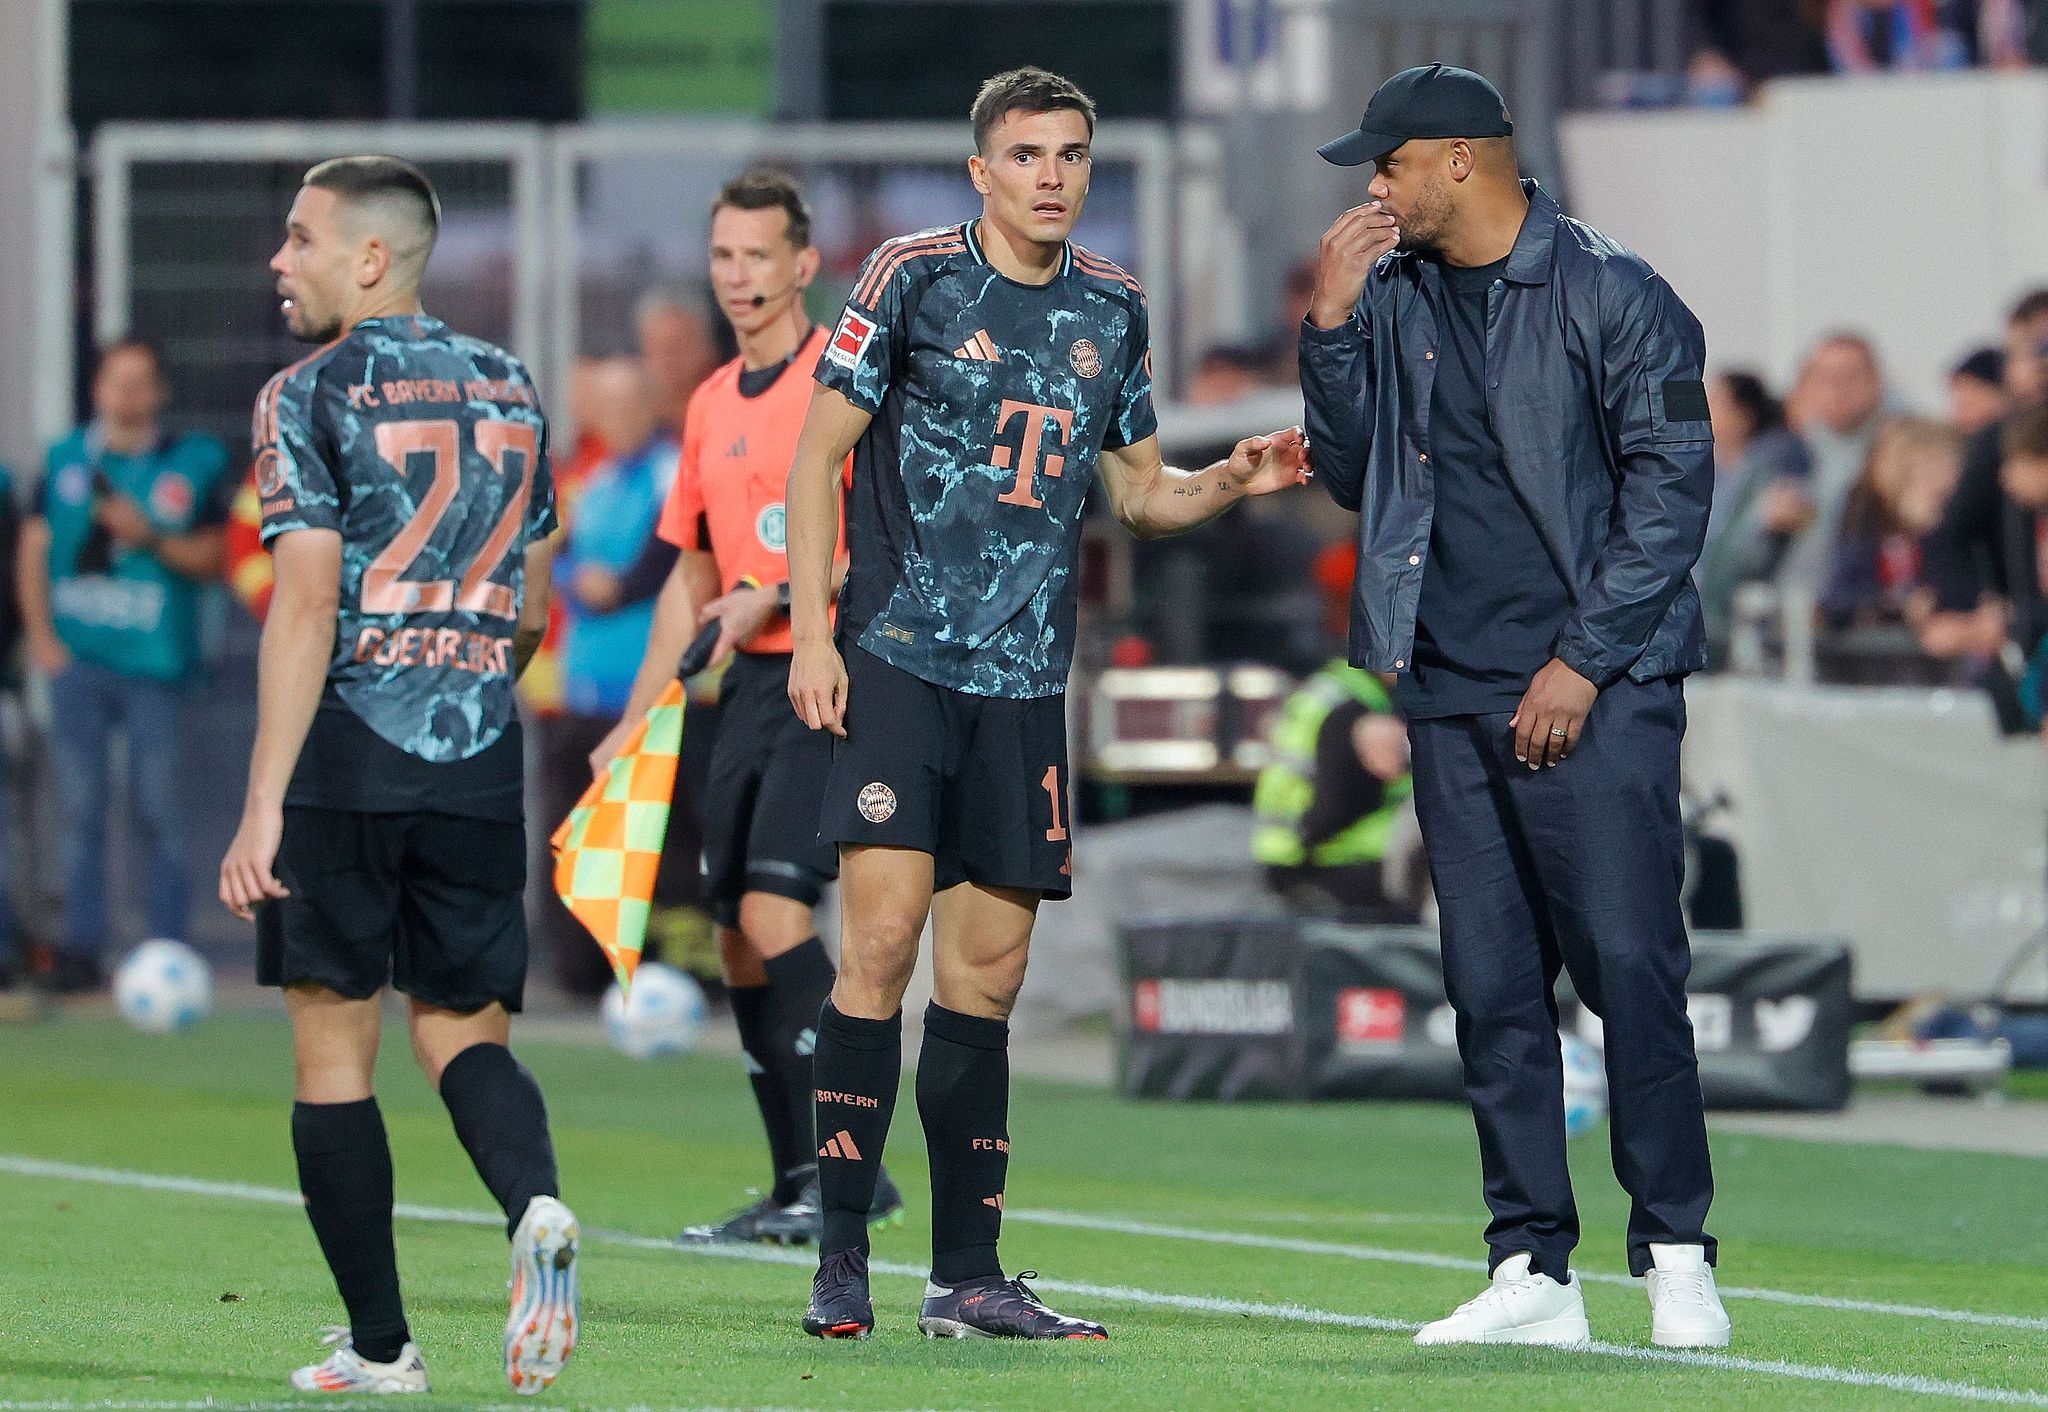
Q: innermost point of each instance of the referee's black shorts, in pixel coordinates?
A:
(761, 797)
(432, 904)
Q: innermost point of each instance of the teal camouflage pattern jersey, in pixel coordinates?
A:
(992, 401)
(426, 449)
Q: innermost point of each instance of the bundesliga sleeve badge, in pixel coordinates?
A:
(850, 340)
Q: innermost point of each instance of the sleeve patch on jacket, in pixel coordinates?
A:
(1685, 400)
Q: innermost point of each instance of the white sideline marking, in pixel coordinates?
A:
(1075, 1220)
(1205, 1304)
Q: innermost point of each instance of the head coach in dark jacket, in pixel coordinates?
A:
(1515, 406)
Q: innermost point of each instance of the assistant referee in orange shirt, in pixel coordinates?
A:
(764, 867)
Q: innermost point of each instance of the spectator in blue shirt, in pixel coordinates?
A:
(123, 537)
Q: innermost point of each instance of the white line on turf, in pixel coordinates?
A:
(1074, 1220)
(1196, 1303)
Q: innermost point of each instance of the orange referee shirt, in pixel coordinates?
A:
(734, 469)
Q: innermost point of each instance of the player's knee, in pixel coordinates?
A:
(740, 961)
(990, 987)
(874, 969)
(772, 924)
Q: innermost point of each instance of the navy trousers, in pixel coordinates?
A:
(1576, 867)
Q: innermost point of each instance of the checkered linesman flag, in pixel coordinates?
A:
(609, 848)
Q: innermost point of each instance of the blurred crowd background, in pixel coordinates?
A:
(1869, 530)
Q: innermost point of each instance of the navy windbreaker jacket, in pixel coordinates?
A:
(1594, 372)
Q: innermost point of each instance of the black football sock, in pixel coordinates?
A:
(857, 1067)
(799, 983)
(963, 1096)
(345, 1175)
(786, 1152)
(503, 1123)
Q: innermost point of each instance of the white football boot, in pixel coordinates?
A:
(1685, 1308)
(345, 1370)
(540, 1332)
(1517, 1307)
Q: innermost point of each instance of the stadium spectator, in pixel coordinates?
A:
(1226, 374)
(124, 534)
(1760, 498)
(677, 348)
(1758, 39)
(1877, 576)
(1836, 407)
(1871, 36)
(1981, 559)
(540, 686)
(605, 533)
(1976, 391)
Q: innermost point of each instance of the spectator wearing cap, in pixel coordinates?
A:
(1515, 407)
(1760, 498)
(1981, 560)
(122, 540)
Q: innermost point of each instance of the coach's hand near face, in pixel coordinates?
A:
(1351, 247)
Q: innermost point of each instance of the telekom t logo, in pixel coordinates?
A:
(1032, 452)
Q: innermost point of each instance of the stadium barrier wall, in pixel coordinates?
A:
(1277, 1008)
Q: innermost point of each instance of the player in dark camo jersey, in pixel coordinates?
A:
(984, 374)
(407, 506)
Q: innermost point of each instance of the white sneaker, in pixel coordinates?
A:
(540, 1332)
(1685, 1309)
(345, 1370)
(1518, 1307)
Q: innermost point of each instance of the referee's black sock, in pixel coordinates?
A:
(857, 1066)
(503, 1124)
(345, 1175)
(799, 983)
(771, 1093)
(963, 1096)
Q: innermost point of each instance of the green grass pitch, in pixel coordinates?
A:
(1343, 1226)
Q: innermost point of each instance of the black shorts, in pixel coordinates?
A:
(432, 904)
(978, 782)
(761, 797)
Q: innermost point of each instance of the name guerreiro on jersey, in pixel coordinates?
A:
(426, 450)
(992, 401)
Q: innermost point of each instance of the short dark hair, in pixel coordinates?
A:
(1985, 364)
(763, 188)
(1749, 392)
(2031, 306)
(128, 343)
(2026, 434)
(1025, 90)
(380, 178)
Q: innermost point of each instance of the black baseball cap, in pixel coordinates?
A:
(1434, 100)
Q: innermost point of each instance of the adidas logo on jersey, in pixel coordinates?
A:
(738, 448)
(979, 349)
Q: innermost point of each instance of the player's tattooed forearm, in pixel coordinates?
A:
(1191, 488)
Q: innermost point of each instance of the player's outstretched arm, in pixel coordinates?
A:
(291, 671)
(817, 675)
(1153, 499)
(691, 581)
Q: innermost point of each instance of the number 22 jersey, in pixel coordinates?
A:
(991, 402)
(425, 450)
